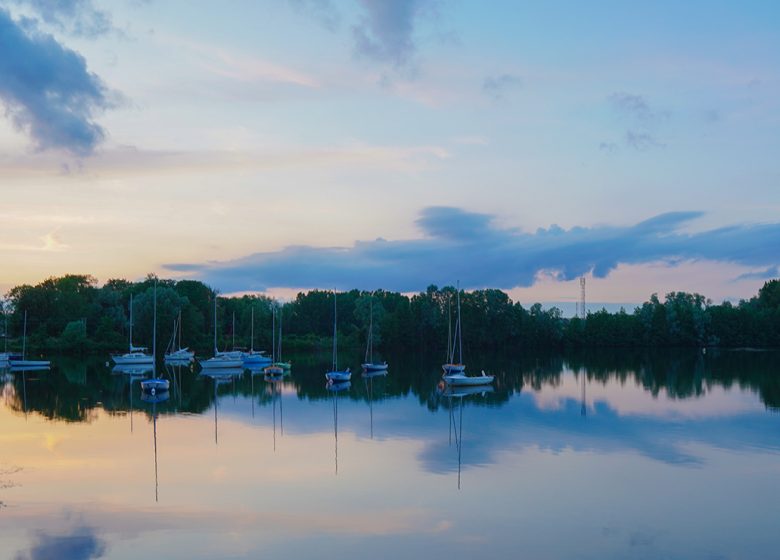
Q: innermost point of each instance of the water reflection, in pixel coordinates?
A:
(652, 446)
(162, 396)
(335, 389)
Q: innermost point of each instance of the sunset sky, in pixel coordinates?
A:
(290, 144)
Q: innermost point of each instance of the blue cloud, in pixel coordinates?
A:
(78, 17)
(636, 110)
(80, 544)
(469, 246)
(47, 90)
(322, 11)
(766, 274)
(496, 86)
(386, 32)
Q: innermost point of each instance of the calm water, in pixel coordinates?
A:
(606, 455)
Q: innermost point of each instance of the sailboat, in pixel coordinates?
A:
(24, 363)
(334, 375)
(175, 351)
(221, 360)
(369, 364)
(273, 369)
(5, 357)
(136, 354)
(286, 366)
(455, 372)
(154, 385)
(254, 358)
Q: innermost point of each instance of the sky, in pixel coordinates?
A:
(282, 145)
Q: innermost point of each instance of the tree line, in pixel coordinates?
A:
(73, 314)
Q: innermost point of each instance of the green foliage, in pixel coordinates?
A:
(72, 314)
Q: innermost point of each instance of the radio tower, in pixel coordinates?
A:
(582, 298)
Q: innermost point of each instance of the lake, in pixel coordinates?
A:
(602, 454)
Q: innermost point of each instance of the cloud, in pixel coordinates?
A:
(322, 11)
(497, 86)
(77, 17)
(641, 140)
(79, 544)
(386, 32)
(457, 244)
(641, 118)
(766, 274)
(636, 107)
(48, 91)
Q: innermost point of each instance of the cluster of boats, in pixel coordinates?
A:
(19, 362)
(138, 361)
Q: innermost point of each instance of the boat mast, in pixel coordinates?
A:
(24, 337)
(215, 324)
(131, 322)
(449, 330)
(458, 329)
(279, 351)
(234, 331)
(273, 335)
(154, 334)
(252, 333)
(179, 348)
(335, 349)
(370, 342)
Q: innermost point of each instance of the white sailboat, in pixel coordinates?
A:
(23, 363)
(175, 352)
(137, 354)
(369, 364)
(273, 369)
(336, 375)
(155, 385)
(254, 358)
(455, 372)
(221, 360)
(286, 366)
(5, 357)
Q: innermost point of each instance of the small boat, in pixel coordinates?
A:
(286, 366)
(221, 360)
(174, 354)
(273, 370)
(5, 356)
(455, 373)
(461, 379)
(155, 384)
(451, 367)
(335, 374)
(369, 364)
(136, 354)
(18, 363)
(254, 358)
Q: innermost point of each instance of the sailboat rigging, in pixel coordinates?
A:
(155, 385)
(369, 364)
(336, 375)
(455, 372)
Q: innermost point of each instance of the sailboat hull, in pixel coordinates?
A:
(338, 376)
(375, 367)
(221, 363)
(30, 363)
(461, 379)
(132, 359)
